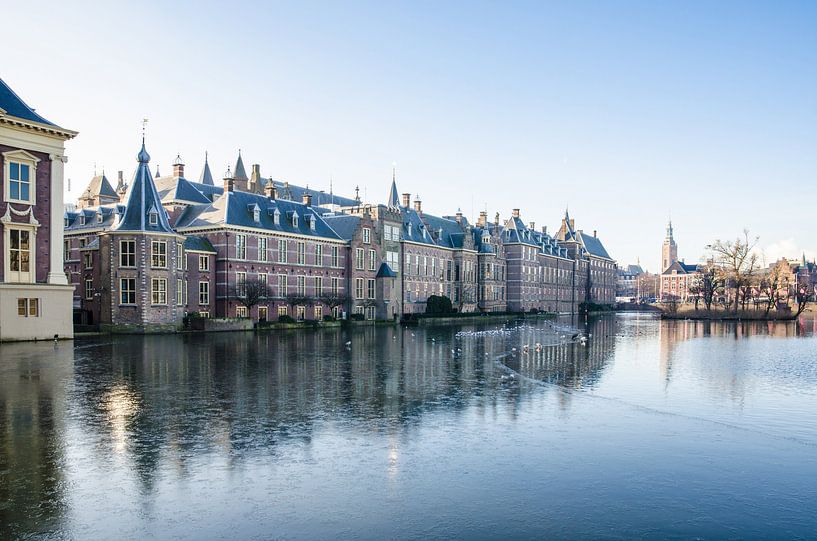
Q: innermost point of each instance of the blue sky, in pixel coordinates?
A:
(625, 111)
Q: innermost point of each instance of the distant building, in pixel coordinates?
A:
(35, 298)
(627, 283)
(677, 277)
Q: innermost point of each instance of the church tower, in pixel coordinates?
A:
(669, 250)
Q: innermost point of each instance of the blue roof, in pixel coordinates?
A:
(385, 271)
(237, 208)
(593, 245)
(100, 185)
(91, 216)
(142, 200)
(344, 225)
(394, 199)
(198, 244)
(13, 105)
(179, 189)
(206, 177)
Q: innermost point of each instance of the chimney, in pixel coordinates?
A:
(483, 218)
(270, 191)
(229, 185)
(406, 199)
(307, 199)
(496, 219)
(255, 177)
(545, 229)
(418, 206)
(594, 232)
(459, 216)
(515, 213)
(178, 166)
(532, 226)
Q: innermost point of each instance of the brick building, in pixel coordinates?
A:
(35, 298)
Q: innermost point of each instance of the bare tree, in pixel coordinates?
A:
(710, 284)
(769, 287)
(696, 289)
(250, 292)
(293, 300)
(333, 300)
(802, 294)
(738, 262)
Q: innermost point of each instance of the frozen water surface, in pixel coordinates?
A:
(623, 426)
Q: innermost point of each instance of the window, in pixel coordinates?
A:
(393, 259)
(127, 253)
(263, 279)
(300, 313)
(276, 217)
(319, 255)
(302, 286)
(282, 251)
(318, 312)
(367, 235)
(318, 286)
(370, 312)
(89, 289)
(282, 311)
(358, 288)
(20, 255)
(204, 262)
(335, 286)
(127, 290)
(335, 257)
(359, 258)
(28, 307)
(294, 219)
(158, 291)
(158, 254)
(301, 253)
(66, 250)
(153, 218)
(88, 260)
(370, 289)
(204, 293)
(262, 313)
(205, 314)
(241, 311)
(372, 260)
(99, 218)
(282, 285)
(179, 255)
(240, 283)
(241, 246)
(20, 173)
(262, 249)
(179, 291)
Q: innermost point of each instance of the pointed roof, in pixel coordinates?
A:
(240, 173)
(142, 199)
(385, 271)
(206, 176)
(100, 187)
(394, 198)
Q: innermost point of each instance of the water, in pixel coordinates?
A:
(648, 429)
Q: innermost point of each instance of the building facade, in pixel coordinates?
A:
(144, 255)
(35, 297)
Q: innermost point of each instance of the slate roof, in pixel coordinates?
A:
(344, 225)
(681, 268)
(447, 233)
(239, 172)
(394, 198)
(517, 232)
(206, 176)
(194, 243)
(142, 199)
(91, 218)
(100, 185)
(593, 245)
(13, 105)
(236, 209)
(385, 271)
(180, 190)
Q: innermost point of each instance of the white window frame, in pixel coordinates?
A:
(204, 263)
(123, 290)
(161, 257)
(367, 235)
(122, 253)
(158, 296)
(20, 277)
(23, 158)
(204, 293)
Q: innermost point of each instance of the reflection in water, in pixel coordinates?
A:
(137, 426)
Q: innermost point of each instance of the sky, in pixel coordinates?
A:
(626, 113)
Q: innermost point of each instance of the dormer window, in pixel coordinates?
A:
(276, 217)
(294, 219)
(153, 218)
(408, 226)
(99, 218)
(67, 222)
(82, 219)
(311, 220)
